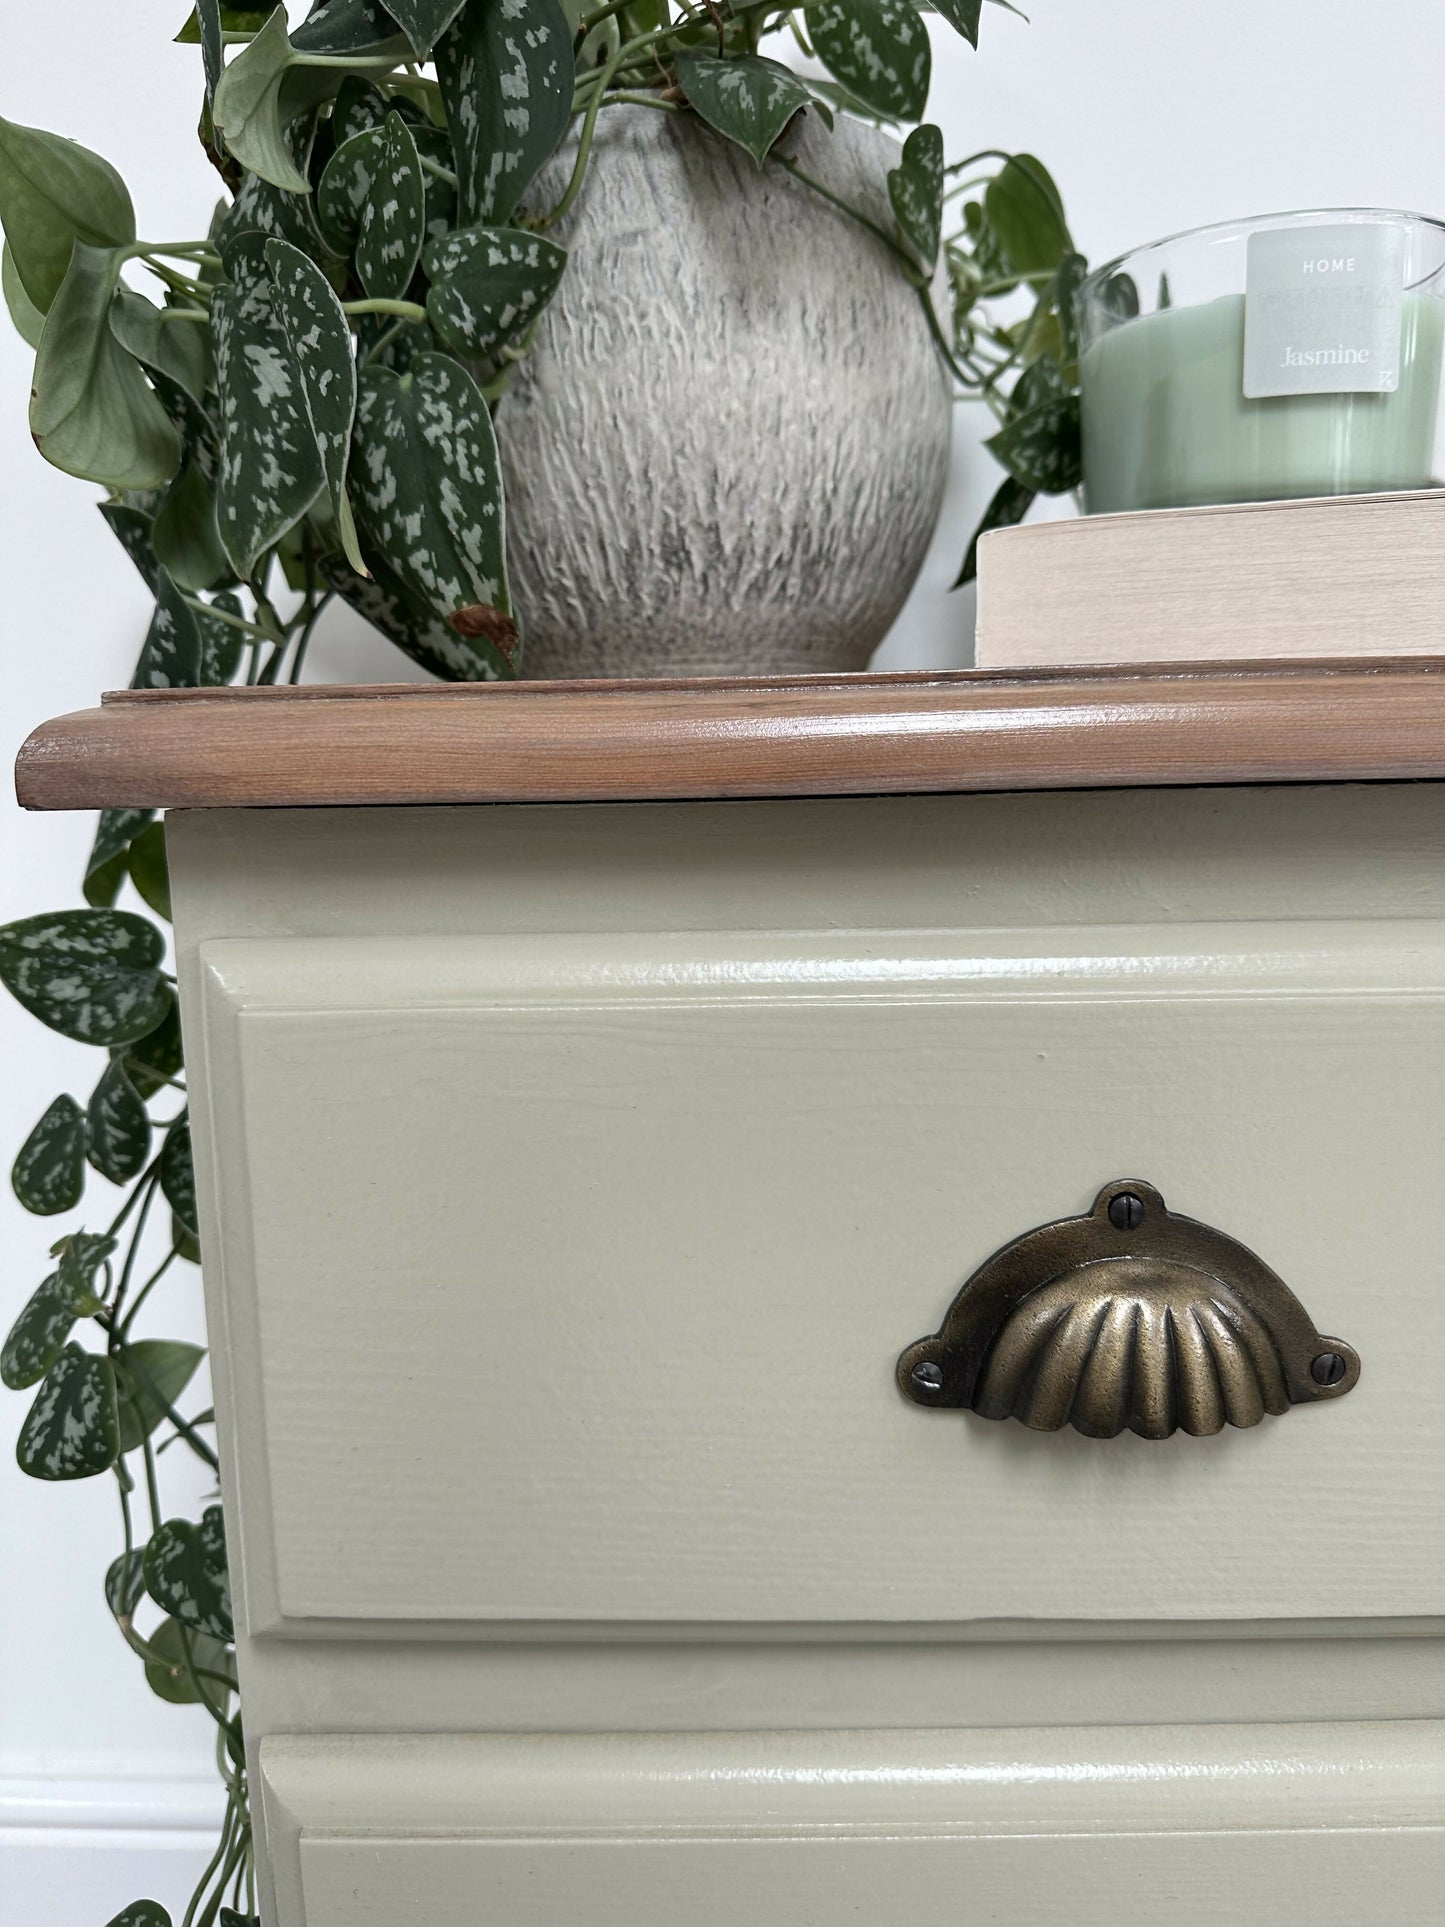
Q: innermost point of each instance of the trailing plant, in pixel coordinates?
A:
(298, 406)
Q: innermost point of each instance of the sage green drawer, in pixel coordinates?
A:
(564, 1276)
(1206, 1826)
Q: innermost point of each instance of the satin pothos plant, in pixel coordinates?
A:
(297, 406)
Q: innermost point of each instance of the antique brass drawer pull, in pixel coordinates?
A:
(1128, 1319)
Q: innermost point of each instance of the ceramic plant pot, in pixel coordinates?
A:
(726, 452)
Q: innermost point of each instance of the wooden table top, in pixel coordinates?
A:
(1344, 720)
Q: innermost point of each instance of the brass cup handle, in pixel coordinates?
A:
(1127, 1319)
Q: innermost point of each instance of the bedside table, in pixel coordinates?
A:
(796, 1340)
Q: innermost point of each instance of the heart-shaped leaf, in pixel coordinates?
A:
(320, 342)
(179, 350)
(1025, 213)
(748, 98)
(428, 485)
(119, 1124)
(270, 471)
(489, 284)
(915, 189)
(1041, 448)
(49, 1170)
(178, 1180)
(393, 216)
(344, 27)
(185, 1568)
(157, 1056)
(141, 1913)
(358, 107)
(29, 321)
(154, 1373)
(345, 183)
(92, 412)
(962, 16)
(878, 50)
(72, 1430)
(261, 93)
(53, 193)
(125, 1582)
(169, 1677)
(506, 72)
(38, 1336)
(90, 974)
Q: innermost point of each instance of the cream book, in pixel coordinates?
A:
(1344, 575)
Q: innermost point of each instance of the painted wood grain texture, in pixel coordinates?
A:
(1205, 1826)
(409, 744)
(733, 1178)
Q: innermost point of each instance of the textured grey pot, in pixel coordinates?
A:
(726, 452)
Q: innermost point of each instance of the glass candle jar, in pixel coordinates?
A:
(1297, 354)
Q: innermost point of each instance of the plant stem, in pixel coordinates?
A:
(791, 167)
(185, 314)
(437, 171)
(224, 615)
(160, 1271)
(153, 1491)
(584, 143)
(376, 304)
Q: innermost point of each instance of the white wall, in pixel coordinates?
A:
(1153, 117)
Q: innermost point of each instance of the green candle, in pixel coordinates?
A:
(1167, 424)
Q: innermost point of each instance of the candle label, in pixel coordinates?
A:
(1322, 310)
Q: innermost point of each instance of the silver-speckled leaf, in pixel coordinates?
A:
(185, 1569)
(962, 16)
(72, 1431)
(105, 867)
(428, 486)
(221, 642)
(915, 189)
(489, 284)
(424, 21)
(90, 974)
(348, 27)
(125, 1583)
(119, 1125)
(156, 1057)
(426, 638)
(262, 209)
(132, 528)
(344, 185)
(434, 144)
(359, 105)
(142, 1913)
(748, 98)
(879, 51)
(321, 347)
(178, 1177)
(49, 1170)
(506, 72)
(393, 216)
(270, 471)
(38, 1335)
(171, 658)
(1041, 449)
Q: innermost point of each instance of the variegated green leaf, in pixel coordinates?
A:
(53, 193)
(105, 868)
(428, 485)
(171, 657)
(263, 91)
(1041, 448)
(915, 189)
(49, 1170)
(262, 209)
(878, 50)
(345, 183)
(434, 144)
(344, 27)
(119, 1124)
(417, 632)
(157, 1056)
(962, 16)
(320, 343)
(38, 1335)
(92, 412)
(489, 284)
(151, 1376)
(270, 471)
(90, 974)
(747, 98)
(178, 1178)
(506, 71)
(72, 1430)
(424, 21)
(141, 1913)
(185, 1567)
(358, 107)
(221, 642)
(125, 1582)
(132, 528)
(393, 216)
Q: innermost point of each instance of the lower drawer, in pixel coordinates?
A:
(1209, 1826)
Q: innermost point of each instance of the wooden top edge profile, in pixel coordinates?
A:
(1341, 720)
